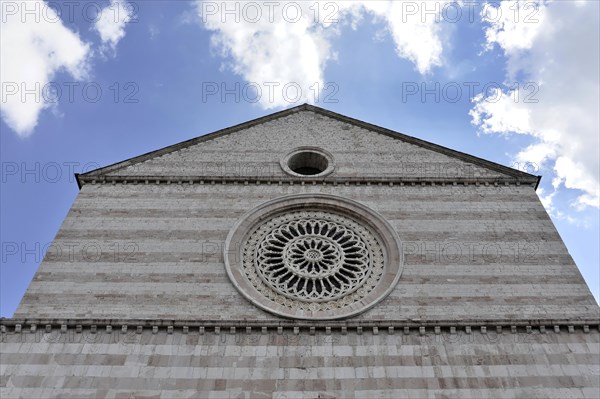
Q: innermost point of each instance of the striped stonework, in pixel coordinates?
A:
(138, 296)
(268, 364)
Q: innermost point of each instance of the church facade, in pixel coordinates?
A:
(305, 254)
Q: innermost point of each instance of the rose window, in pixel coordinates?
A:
(313, 256)
(313, 259)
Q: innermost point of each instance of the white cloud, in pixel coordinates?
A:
(36, 46)
(514, 26)
(413, 27)
(111, 22)
(31, 54)
(561, 57)
(285, 44)
(497, 113)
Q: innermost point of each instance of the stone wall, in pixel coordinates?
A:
(272, 365)
(155, 251)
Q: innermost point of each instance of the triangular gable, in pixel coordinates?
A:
(362, 150)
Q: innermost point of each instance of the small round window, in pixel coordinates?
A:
(308, 162)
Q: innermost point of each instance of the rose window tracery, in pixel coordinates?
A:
(313, 256)
(314, 260)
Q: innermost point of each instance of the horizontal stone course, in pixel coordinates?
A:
(514, 365)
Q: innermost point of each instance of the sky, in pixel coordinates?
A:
(85, 84)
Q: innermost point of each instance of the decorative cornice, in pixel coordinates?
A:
(288, 180)
(32, 325)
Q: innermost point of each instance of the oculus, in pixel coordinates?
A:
(308, 162)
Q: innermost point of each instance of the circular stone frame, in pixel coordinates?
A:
(319, 152)
(366, 217)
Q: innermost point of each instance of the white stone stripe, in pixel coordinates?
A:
(395, 347)
(131, 286)
(292, 373)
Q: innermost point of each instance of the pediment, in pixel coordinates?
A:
(360, 151)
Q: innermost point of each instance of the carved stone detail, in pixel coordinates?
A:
(313, 260)
(313, 256)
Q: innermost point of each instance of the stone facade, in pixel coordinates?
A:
(134, 299)
(271, 365)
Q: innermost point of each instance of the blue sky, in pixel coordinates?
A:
(161, 67)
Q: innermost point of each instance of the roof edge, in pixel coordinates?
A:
(423, 143)
(193, 141)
